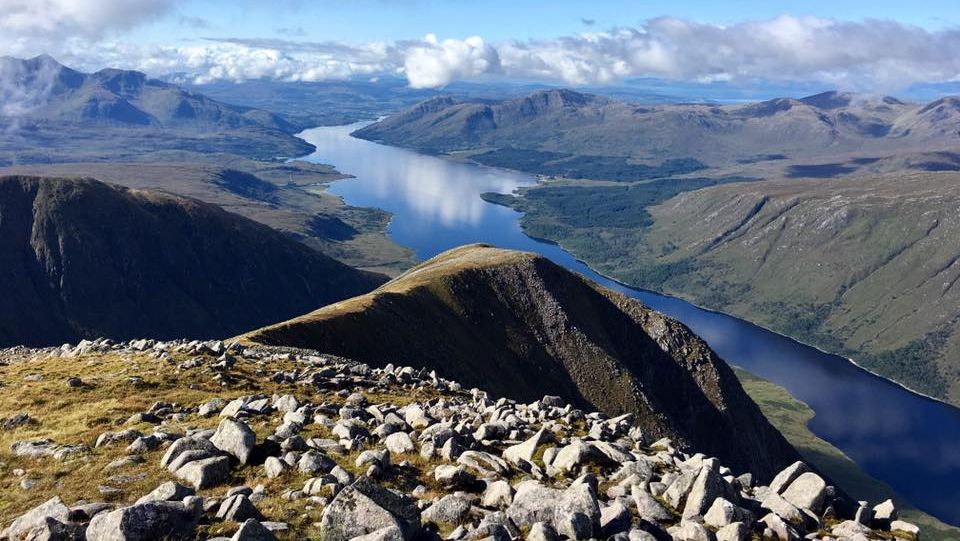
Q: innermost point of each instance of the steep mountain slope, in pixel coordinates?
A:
(865, 266)
(877, 276)
(521, 326)
(580, 126)
(42, 98)
(84, 259)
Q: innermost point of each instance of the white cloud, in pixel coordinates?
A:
(25, 21)
(871, 55)
(432, 63)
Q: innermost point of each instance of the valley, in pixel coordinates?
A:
(826, 218)
(435, 203)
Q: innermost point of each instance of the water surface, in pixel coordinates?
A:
(910, 442)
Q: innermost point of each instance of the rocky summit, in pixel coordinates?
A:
(205, 440)
(521, 326)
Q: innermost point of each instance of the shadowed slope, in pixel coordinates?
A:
(83, 259)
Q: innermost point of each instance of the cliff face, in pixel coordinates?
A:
(82, 259)
(520, 326)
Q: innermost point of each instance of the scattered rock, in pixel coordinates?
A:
(235, 438)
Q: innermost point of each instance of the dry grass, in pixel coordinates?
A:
(108, 398)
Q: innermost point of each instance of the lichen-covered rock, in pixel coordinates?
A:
(205, 473)
(365, 507)
(235, 438)
(450, 509)
(36, 517)
(150, 521)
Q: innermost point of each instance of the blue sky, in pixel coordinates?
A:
(368, 20)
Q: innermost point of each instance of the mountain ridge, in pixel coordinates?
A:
(586, 125)
(522, 325)
(113, 110)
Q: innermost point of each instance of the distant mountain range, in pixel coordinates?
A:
(83, 259)
(107, 113)
(557, 132)
(522, 326)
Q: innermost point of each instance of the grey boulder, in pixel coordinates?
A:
(365, 507)
(150, 521)
(235, 438)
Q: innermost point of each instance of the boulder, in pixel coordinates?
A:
(400, 443)
(577, 513)
(525, 451)
(648, 508)
(782, 508)
(167, 492)
(274, 467)
(498, 494)
(780, 527)
(807, 491)
(783, 479)
(53, 530)
(453, 476)
(238, 508)
(541, 531)
(451, 509)
(576, 454)
(206, 473)
(690, 531)
(736, 531)
(883, 514)
(314, 462)
(33, 448)
(707, 487)
(253, 530)
(485, 464)
(533, 502)
(723, 513)
(390, 533)
(149, 521)
(36, 517)
(614, 518)
(676, 493)
(235, 438)
(365, 507)
(183, 445)
(905, 527)
(849, 528)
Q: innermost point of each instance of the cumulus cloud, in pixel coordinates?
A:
(866, 55)
(879, 54)
(25, 20)
(872, 55)
(432, 63)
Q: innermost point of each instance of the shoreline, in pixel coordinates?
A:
(538, 180)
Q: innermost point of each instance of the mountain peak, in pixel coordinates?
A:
(832, 99)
